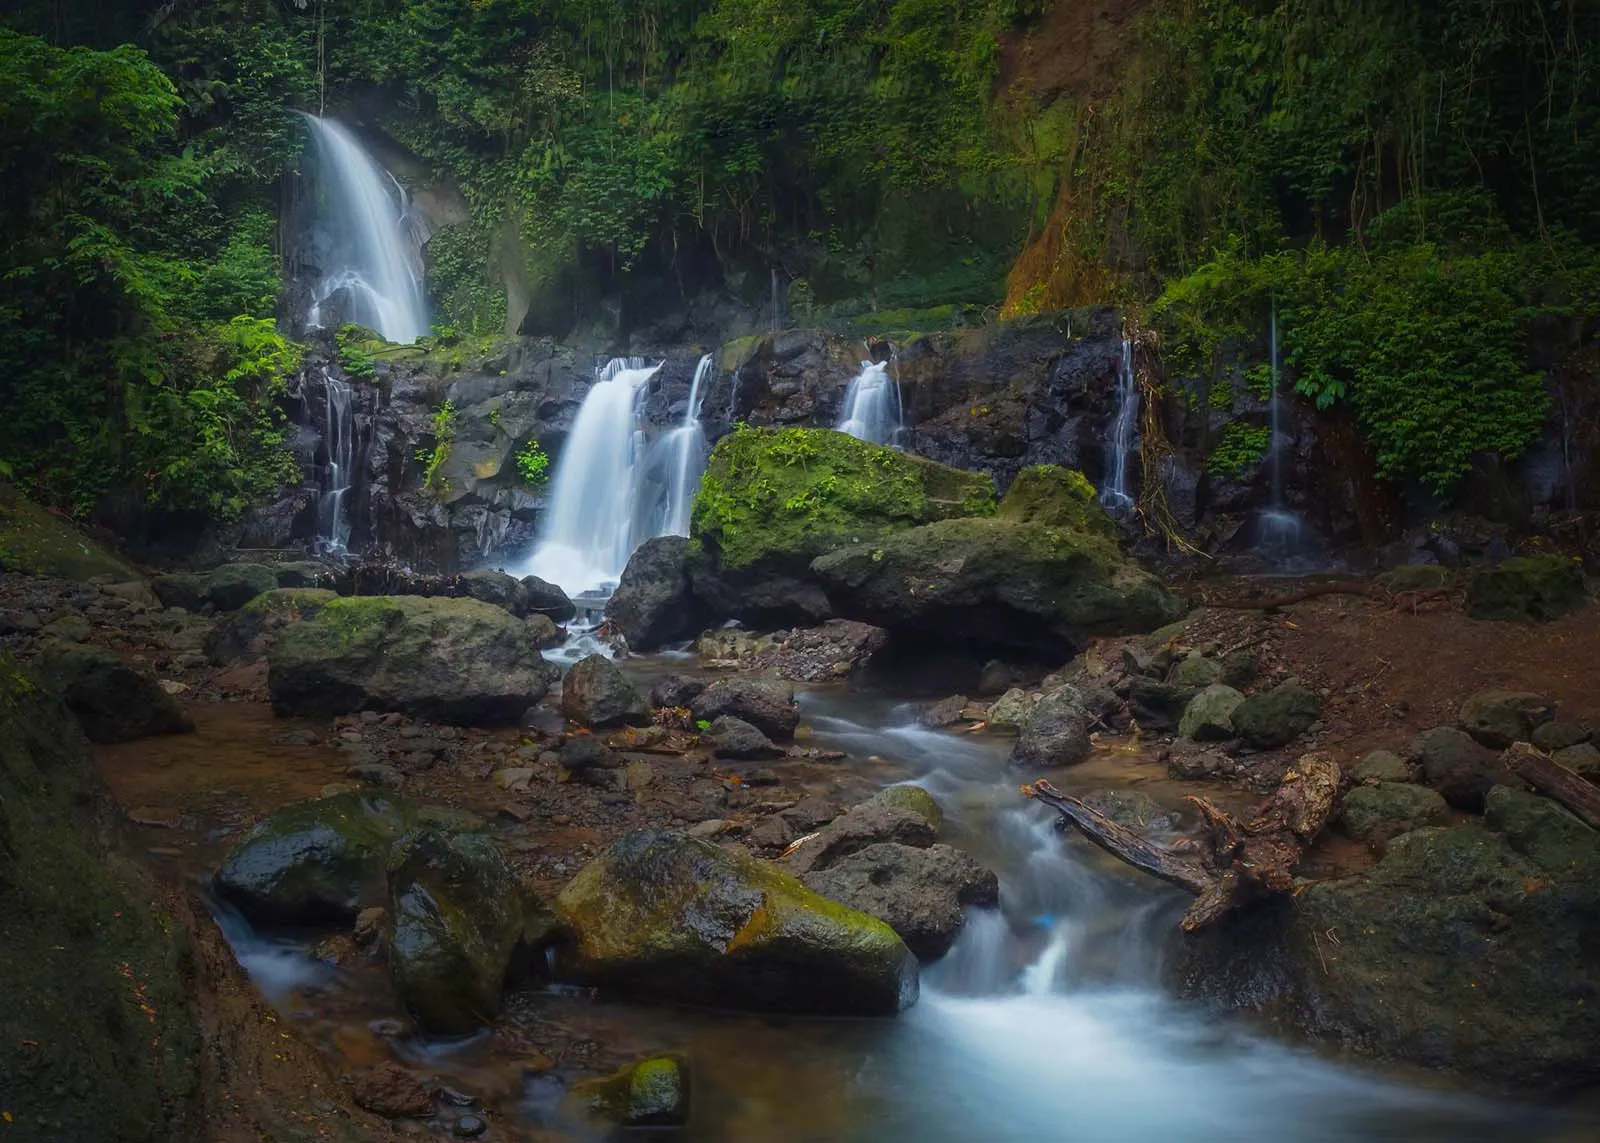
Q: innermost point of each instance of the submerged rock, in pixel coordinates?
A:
(655, 604)
(921, 893)
(1031, 586)
(453, 660)
(766, 704)
(663, 916)
(114, 701)
(455, 916)
(651, 1093)
(595, 693)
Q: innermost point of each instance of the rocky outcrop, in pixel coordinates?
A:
(655, 603)
(1005, 582)
(596, 694)
(766, 704)
(663, 916)
(113, 700)
(453, 660)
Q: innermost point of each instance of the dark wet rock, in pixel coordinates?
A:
(1057, 734)
(455, 916)
(548, 599)
(583, 754)
(905, 815)
(496, 588)
(595, 693)
(1457, 766)
(1158, 706)
(305, 575)
(1196, 672)
(1381, 766)
(1277, 717)
(1499, 718)
(731, 737)
(998, 582)
(392, 1092)
(651, 1093)
(1526, 588)
(248, 632)
(655, 604)
(1559, 735)
(543, 631)
(231, 586)
(1584, 758)
(450, 660)
(68, 629)
(676, 691)
(1209, 715)
(98, 1033)
(663, 916)
(1240, 668)
(1380, 811)
(114, 701)
(945, 712)
(997, 677)
(766, 704)
(469, 1127)
(314, 861)
(921, 893)
(773, 832)
(1139, 659)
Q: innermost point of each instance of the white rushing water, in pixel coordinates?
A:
(678, 461)
(1120, 439)
(872, 409)
(339, 439)
(375, 265)
(589, 531)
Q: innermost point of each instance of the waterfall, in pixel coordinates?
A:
(374, 265)
(678, 462)
(872, 405)
(1278, 529)
(589, 531)
(1120, 440)
(339, 438)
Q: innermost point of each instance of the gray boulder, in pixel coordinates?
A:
(450, 660)
(921, 893)
(1457, 766)
(766, 704)
(1209, 715)
(655, 603)
(115, 701)
(548, 599)
(1375, 813)
(1499, 718)
(596, 694)
(904, 815)
(1057, 734)
(731, 737)
(1277, 717)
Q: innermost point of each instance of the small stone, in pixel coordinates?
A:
(1381, 766)
(159, 817)
(378, 774)
(1582, 759)
(772, 832)
(172, 686)
(708, 829)
(514, 778)
(391, 1091)
(516, 812)
(470, 1127)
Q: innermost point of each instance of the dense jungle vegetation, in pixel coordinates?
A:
(1416, 188)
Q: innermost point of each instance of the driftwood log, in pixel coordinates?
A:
(1231, 863)
(1554, 780)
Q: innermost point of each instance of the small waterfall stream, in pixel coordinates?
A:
(1121, 439)
(1279, 530)
(678, 460)
(872, 410)
(375, 268)
(338, 475)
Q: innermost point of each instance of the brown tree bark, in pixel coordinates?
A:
(1554, 780)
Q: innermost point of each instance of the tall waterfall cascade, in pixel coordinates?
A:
(1122, 439)
(872, 409)
(374, 263)
(677, 462)
(338, 474)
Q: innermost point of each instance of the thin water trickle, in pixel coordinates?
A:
(1279, 530)
(678, 460)
(872, 409)
(1121, 440)
(375, 265)
(339, 439)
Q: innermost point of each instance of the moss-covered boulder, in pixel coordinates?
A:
(1209, 715)
(114, 700)
(454, 660)
(455, 916)
(650, 1093)
(247, 633)
(1376, 812)
(226, 588)
(1277, 717)
(99, 1040)
(596, 694)
(1526, 588)
(1030, 586)
(772, 500)
(1058, 497)
(34, 542)
(663, 916)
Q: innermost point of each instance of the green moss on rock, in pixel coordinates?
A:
(1526, 587)
(1058, 497)
(34, 542)
(651, 1093)
(785, 496)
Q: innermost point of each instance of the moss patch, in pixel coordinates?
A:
(34, 542)
(1058, 497)
(785, 496)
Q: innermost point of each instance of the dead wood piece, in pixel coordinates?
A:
(1554, 780)
(1232, 864)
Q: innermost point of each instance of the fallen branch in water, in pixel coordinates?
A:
(1231, 863)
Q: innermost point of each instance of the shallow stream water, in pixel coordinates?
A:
(1047, 1021)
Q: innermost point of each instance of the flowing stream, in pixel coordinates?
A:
(872, 409)
(375, 267)
(1120, 441)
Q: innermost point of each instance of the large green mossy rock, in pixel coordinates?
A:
(1058, 497)
(1526, 588)
(650, 1093)
(245, 633)
(34, 542)
(663, 916)
(1022, 585)
(778, 498)
(453, 660)
(98, 1038)
(455, 917)
(115, 700)
(226, 588)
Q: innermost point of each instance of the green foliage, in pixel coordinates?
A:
(1241, 446)
(444, 435)
(532, 464)
(356, 345)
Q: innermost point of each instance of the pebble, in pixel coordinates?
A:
(470, 1127)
